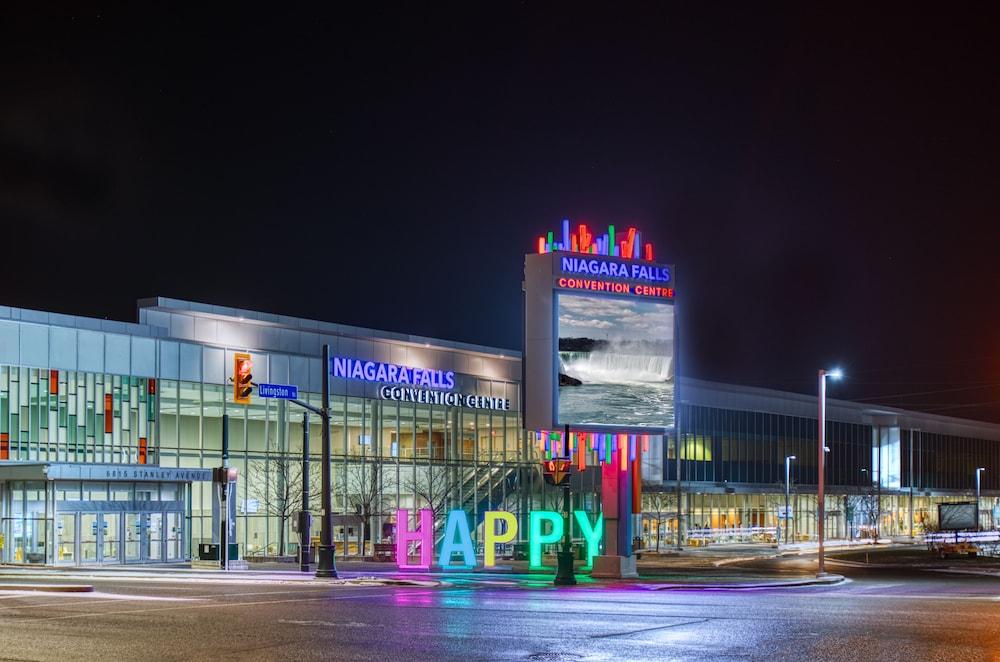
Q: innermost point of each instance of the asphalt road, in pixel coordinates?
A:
(875, 616)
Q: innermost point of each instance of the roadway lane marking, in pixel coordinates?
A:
(141, 598)
(345, 624)
(649, 629)
(213, 605)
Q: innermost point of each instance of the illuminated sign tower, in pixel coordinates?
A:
(599, 351)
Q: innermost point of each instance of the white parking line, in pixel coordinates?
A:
(214, 605)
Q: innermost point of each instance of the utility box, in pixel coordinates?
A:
(209, 552)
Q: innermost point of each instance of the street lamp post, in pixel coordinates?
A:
(979, 471)
(788, 462)
(326, 564)
(821, 461)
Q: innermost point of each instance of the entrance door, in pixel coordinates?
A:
(174, 533)
(133, 537)
(88, 538)
(154, 538)
(66, 538)
(111, 542)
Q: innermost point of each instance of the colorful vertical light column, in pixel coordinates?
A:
(628, 243)
(585, 237)
(611, 236)
(649, 252)
(565, 234)
(637, 486)
(541, 245)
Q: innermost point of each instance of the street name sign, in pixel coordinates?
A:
(280, 391)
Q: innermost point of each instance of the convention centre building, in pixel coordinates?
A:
(109, 432)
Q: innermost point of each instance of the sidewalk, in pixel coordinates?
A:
(681, 572)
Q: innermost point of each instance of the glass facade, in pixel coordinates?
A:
(72, 416)
(732, 472)
(122, 398)
(386, 455)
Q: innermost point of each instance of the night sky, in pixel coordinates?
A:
(826, 182)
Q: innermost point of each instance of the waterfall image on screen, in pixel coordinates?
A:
(615, 361)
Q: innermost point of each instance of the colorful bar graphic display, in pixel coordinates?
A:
(588, 449)
(583, 241)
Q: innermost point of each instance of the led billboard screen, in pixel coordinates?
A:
(615, 361)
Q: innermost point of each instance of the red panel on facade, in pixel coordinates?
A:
(4, 446)
(637, 484)
(107, 413)
(53, 382)
(142, 450)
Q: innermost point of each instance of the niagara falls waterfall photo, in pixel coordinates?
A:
(615, 361)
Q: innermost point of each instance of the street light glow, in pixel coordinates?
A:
(836, 373)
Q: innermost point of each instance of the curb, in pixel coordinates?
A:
(830, 580)
(49, 588)
(859, 564)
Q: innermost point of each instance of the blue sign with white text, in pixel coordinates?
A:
(280, 391)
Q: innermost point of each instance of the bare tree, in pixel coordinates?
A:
(367, 492)
(867, 505)
(276, 484)
(435, 489)
(658, 504)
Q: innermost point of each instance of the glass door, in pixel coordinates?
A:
(133, 537)
(66, 538)
(174, 537)
(111, 540)
(154, 538)
(88, 538)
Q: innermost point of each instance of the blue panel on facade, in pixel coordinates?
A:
(117, 354)
(190, 362)
(90, 353)
(62, 348)
(34, 345)
(10, 343)
(214, 365)
(143, 357)
(169, 360)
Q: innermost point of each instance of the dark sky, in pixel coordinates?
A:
(825, 181)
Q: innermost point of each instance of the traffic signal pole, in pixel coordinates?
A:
(325, 563)
(564, 559)
(223, 500)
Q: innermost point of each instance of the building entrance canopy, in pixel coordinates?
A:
(73, 514)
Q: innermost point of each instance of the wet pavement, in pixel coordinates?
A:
(877, 614)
